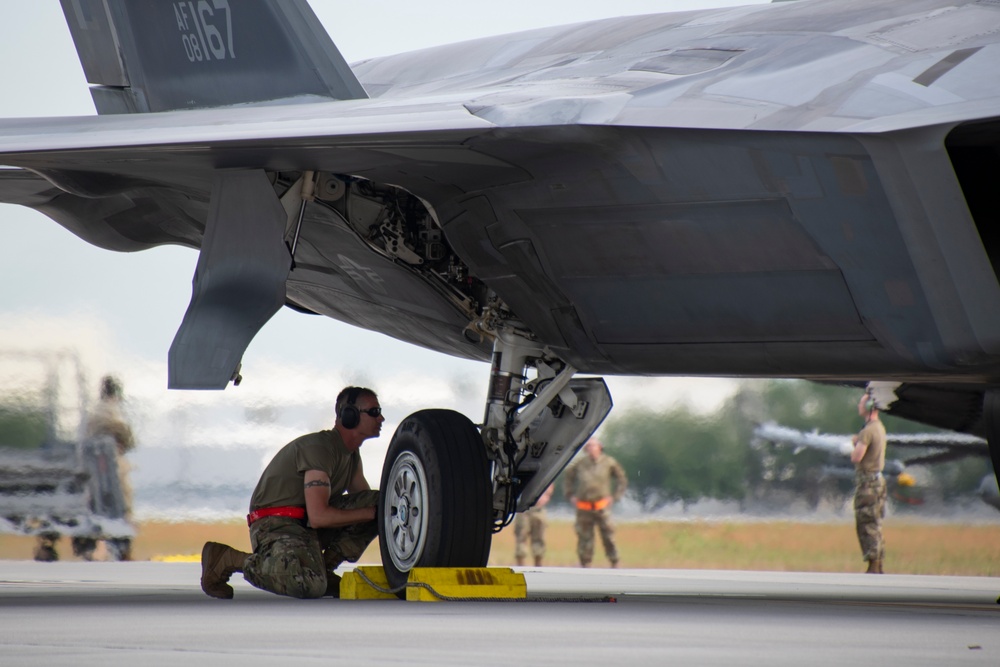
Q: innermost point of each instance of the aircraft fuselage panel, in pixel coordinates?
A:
(773, 253)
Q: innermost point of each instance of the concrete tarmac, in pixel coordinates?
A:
(145, 613)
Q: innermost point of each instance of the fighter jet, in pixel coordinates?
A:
(800, 189)
(931, 447)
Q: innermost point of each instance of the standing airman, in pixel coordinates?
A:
(593, 484)
(868, 457)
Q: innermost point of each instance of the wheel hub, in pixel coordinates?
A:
(406, 511)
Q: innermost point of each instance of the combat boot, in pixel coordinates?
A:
(332, 585)
(520, 560)
(874, 566)
(538, 561)
(218, 563)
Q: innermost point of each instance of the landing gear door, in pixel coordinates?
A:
(555, 436)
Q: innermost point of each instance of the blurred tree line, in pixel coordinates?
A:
(686, 455)
(22, 427)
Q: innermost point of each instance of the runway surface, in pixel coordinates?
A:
(146, 613)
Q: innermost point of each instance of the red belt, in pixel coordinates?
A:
(593, 506)
(290, 512)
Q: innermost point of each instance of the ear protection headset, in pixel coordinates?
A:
(869, 402)
(349, 415)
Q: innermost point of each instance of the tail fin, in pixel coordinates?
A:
(161, 55)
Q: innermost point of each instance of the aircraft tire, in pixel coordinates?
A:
(434, 505)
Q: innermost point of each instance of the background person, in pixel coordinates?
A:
(868, 457)
(593, 483)
(530, 526)
(302, 524)
(106, 419)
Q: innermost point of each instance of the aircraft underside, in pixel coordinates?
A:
(649, 252)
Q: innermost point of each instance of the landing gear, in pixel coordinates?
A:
(446, 486)
(434, 507)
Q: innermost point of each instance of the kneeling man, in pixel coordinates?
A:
(302, 523)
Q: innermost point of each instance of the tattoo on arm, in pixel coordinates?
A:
(317, 482)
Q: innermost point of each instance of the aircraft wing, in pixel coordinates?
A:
(783, 435)
(85, 162)
(943, 446)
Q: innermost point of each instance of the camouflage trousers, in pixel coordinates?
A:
(586, 521)
(529, 525)
(290, 559)
(869, 510)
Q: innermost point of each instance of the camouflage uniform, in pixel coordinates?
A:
(589, 481)
(530, 525)
(289, 557)
(870, 492)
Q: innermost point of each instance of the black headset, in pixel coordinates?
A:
(349, 415)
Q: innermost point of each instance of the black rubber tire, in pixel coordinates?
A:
(437, 465)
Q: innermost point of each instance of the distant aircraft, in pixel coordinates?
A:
(942, 447)
(803, 189)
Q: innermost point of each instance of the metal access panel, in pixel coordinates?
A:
(558, 433)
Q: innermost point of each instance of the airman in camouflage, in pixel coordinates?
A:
(868, 457)
(302, 524)
(588, 485)
(530, 526)
(291, 559)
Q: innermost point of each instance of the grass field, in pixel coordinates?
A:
(912, 548)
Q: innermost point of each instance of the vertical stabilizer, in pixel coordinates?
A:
(161, 55)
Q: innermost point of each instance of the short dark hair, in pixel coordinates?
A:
(356, 392)
(111, 387)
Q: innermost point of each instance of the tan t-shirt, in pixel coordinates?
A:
(591, 480)
(873, 435)
(109, 419)
(281, 483)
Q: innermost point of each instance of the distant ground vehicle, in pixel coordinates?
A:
(54, 481)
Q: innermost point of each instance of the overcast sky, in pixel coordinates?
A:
(120, 311)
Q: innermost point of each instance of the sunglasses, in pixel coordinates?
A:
(374, 413)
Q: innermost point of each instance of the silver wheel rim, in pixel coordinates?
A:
(406, 511)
